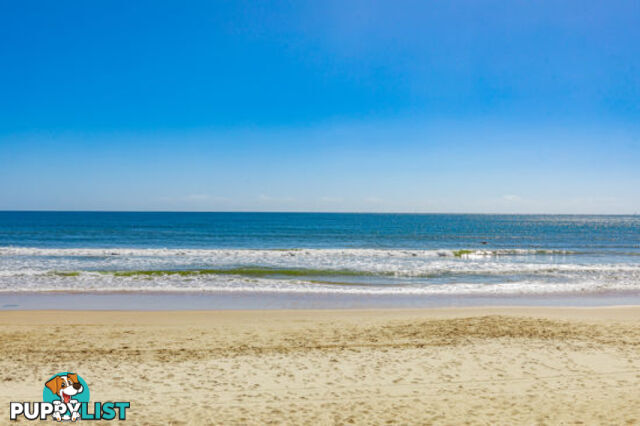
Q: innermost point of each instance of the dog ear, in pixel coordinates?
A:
(73, 378)
(54, 384)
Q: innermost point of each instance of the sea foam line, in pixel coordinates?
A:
(302, 287)
(167, 252)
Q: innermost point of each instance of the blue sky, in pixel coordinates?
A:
(457, 106)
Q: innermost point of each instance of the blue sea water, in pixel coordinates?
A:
(316, 230)
(413, 256)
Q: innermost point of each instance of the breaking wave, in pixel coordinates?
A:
(352, 271)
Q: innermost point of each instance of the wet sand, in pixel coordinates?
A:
(430, 366)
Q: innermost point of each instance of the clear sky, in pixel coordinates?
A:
(410, 106)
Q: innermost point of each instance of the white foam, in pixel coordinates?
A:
(99, 283)
(409, 263)
(508, 271)
(167, 252)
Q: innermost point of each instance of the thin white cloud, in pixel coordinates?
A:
(513, 198)
(270, 199)
(192, 198)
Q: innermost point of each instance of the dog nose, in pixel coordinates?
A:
(77, 386)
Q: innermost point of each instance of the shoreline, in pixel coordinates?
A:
(211, 301)
(474, 365)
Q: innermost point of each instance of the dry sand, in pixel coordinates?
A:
(439, 366)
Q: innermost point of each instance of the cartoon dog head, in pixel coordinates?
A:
(65, 386)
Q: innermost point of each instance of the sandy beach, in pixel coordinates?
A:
(437, 366)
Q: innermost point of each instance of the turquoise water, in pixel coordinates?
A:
(326, 255)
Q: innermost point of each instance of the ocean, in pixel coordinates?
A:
(254, 260)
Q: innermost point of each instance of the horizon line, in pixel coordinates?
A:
(314, 212)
